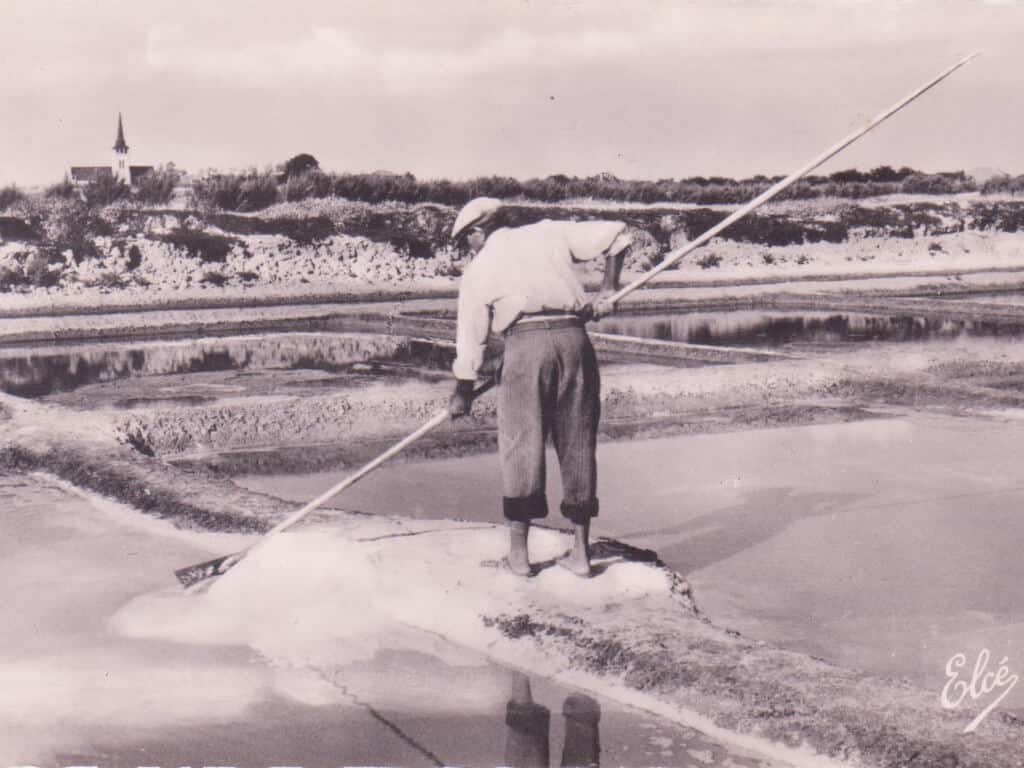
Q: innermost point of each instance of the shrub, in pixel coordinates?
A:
(106, 190)
(303, 186)
(62, 190)
(300, 164)
(157, 186)
(236, 192)
(10, 195)
(71, 224)
(937, 183)
(382, 187)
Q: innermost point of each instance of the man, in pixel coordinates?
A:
(521, 283)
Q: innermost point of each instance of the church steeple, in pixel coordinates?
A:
(120, 145)
(120, 165)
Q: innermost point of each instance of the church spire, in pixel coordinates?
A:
(120, 145)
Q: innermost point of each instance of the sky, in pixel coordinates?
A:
(643, 89)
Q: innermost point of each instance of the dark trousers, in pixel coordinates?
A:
(549, 386)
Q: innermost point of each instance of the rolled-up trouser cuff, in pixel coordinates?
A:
(580, 513)
(581, 707)
(525, 508)
(527, 716)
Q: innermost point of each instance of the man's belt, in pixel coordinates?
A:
(547, 320)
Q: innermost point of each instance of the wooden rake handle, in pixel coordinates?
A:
(435, 421)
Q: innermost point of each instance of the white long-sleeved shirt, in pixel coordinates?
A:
(524, 270)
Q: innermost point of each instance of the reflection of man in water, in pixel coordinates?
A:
(528, 725)
(522, 283)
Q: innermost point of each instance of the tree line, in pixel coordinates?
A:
(301, 178)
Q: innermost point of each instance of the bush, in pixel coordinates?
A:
(105, 190)
(304, 181)
(382, 187)
(937, 183)
(62, 190)
(303, 186)
(236, 192)
(157, 186)
(71, 224)
(10, 195)
(300, 165)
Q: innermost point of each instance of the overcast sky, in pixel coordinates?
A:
(459, 88)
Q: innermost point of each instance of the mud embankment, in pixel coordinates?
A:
(86, 452)
(291, 426)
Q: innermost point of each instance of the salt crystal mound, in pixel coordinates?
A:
(319, 598)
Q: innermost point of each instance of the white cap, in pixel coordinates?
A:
(475, 212)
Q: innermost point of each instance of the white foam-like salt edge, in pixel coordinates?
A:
(316, 596)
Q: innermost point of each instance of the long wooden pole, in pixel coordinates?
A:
(673, 256)
(192, 575)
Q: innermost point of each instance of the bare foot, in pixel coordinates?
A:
(518, 554)
(577, 562)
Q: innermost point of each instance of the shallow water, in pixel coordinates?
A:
(750, 328)
(345, 358)
(887, 545)
(73, 691)
(338, 360)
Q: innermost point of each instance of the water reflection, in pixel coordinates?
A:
(774, 329)
(46, 372)
(528, 725)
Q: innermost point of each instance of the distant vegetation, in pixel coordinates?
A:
(157, 186)
(237, 192)
(9, 195)
(303, 179)
(1003, 184)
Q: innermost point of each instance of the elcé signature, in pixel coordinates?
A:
(981, 683)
